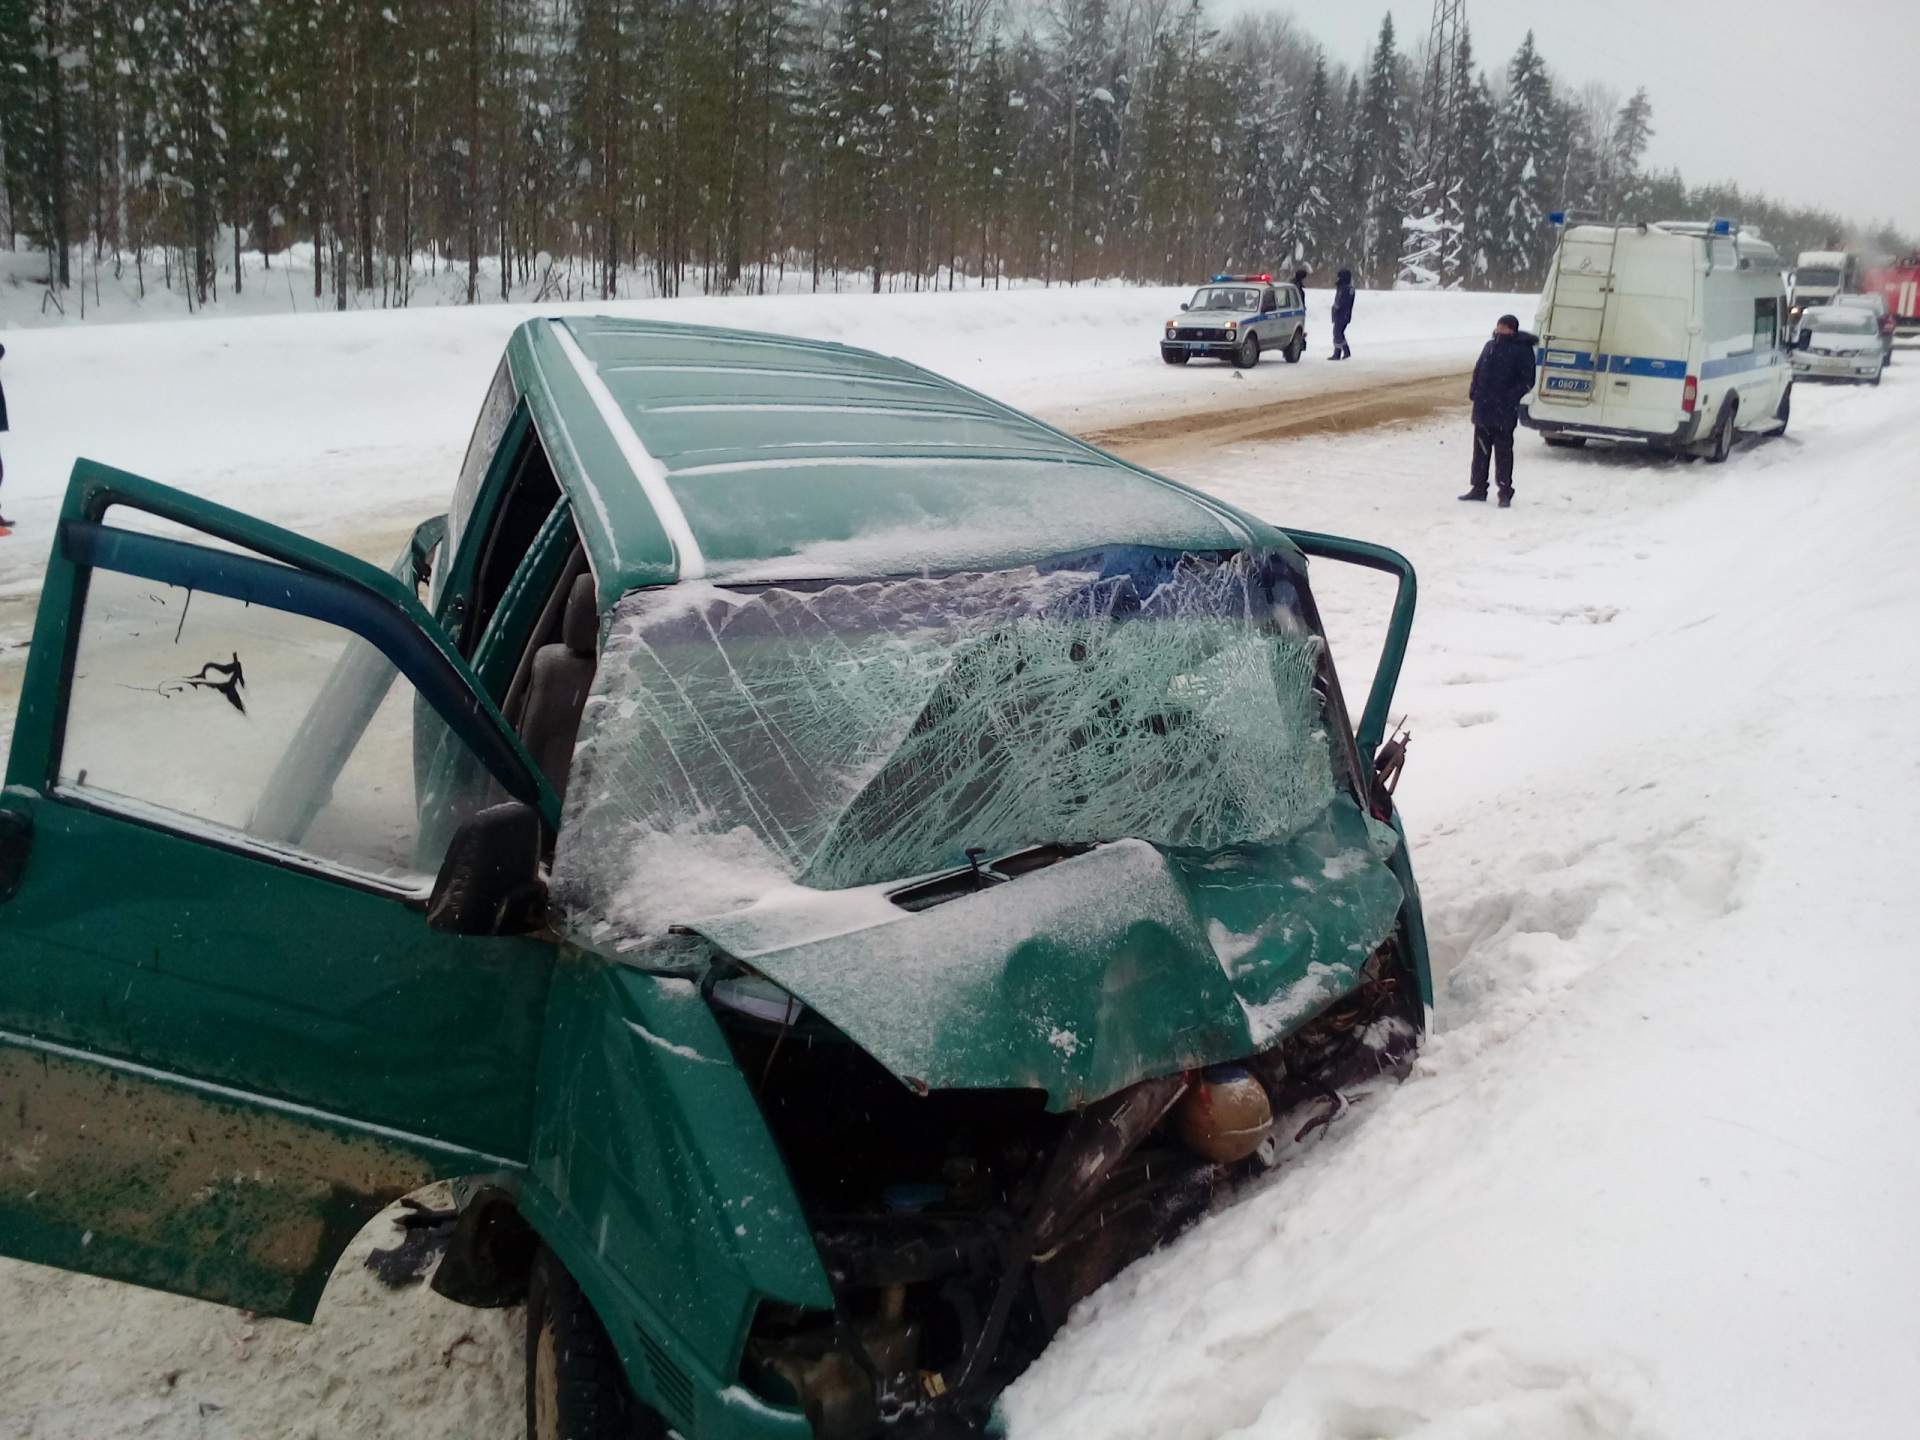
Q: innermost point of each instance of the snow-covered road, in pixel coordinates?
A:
(1653, 1177)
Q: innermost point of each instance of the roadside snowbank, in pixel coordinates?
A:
(342, 421)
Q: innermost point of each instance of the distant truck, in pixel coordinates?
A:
(1818, 276)
(1900, 283)
(1665, 335)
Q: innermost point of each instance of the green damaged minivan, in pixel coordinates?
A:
(830, 868)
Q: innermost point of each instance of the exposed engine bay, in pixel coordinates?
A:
(959, 1227)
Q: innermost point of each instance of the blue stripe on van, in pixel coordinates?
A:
(1738, 364)
(1646, 365)
(1653, 367)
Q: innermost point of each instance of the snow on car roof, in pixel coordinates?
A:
(693, 452)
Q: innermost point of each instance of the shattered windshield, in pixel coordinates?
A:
(737, 742)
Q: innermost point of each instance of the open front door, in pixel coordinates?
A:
(228, 1034)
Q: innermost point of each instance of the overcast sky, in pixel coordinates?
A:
(1813, 101)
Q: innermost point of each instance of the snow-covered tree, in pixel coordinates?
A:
(1383, 152)
(1529, 139)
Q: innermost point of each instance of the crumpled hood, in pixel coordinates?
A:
(1082, 978)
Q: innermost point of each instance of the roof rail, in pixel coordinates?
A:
(1566, 219)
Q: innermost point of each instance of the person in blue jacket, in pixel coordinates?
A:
(1342, 314)
(1501, 378)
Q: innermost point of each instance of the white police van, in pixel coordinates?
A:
(1237, 317)
(1668, 335)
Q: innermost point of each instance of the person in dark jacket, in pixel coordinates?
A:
(1501, 376)
(1300, 279)
(6, 525)
(1342, 313)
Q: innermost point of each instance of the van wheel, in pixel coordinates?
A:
(1248, 355)
(576, 1387)
(1785, 410)
(1296, 347)
(1720, 445)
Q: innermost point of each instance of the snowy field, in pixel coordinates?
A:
(1653, 1177)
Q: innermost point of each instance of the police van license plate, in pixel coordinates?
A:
(1570, 384)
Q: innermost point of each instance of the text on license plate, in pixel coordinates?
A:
(1577, 384)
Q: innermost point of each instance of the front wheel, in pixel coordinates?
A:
(1785, 411)
(1248, 355)
(1173, 355)
(576, 1387)
(1296, 347)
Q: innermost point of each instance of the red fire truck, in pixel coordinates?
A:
(1900, 283)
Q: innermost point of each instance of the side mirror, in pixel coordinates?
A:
(490, 884)
(1185, 306)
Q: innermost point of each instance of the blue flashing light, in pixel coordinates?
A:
(1218, 278)
(1723, 227)
(1558, 217)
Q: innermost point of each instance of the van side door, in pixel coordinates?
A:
(228, 1033)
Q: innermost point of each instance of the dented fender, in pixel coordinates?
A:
(655, 1181)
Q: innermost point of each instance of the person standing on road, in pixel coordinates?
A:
(1342, 314)
(6, 525)
(1300, 280)
(1501, 376)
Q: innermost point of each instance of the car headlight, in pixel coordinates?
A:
(1170, 327)
(1233, 325)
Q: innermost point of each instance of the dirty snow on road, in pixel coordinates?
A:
(1652, 1176)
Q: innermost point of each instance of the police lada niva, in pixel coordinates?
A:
(1236, 317)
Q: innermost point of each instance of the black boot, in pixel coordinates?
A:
(1474, 495)
(1506, 499)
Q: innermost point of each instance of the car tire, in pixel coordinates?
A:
(1720, 443)
(1566, 442)
(1876, 379)
(1296, 347)
(1784, 411)
(1173, 356)
(1248, 355)
(576, 1386)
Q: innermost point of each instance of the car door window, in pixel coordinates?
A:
(261, 728)
(531, 494)
(1267, 302)
(1766, 323)
(496, 411)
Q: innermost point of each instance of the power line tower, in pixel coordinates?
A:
(1430, 257)
(1443, 46)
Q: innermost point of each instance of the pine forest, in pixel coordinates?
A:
(546, 149)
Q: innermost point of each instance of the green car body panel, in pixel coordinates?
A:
(216, 1065)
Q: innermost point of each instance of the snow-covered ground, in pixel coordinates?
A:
(1653, 1177)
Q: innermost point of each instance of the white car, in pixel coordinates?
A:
(1839, 342)
(1882, 313)
(1237, 317)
